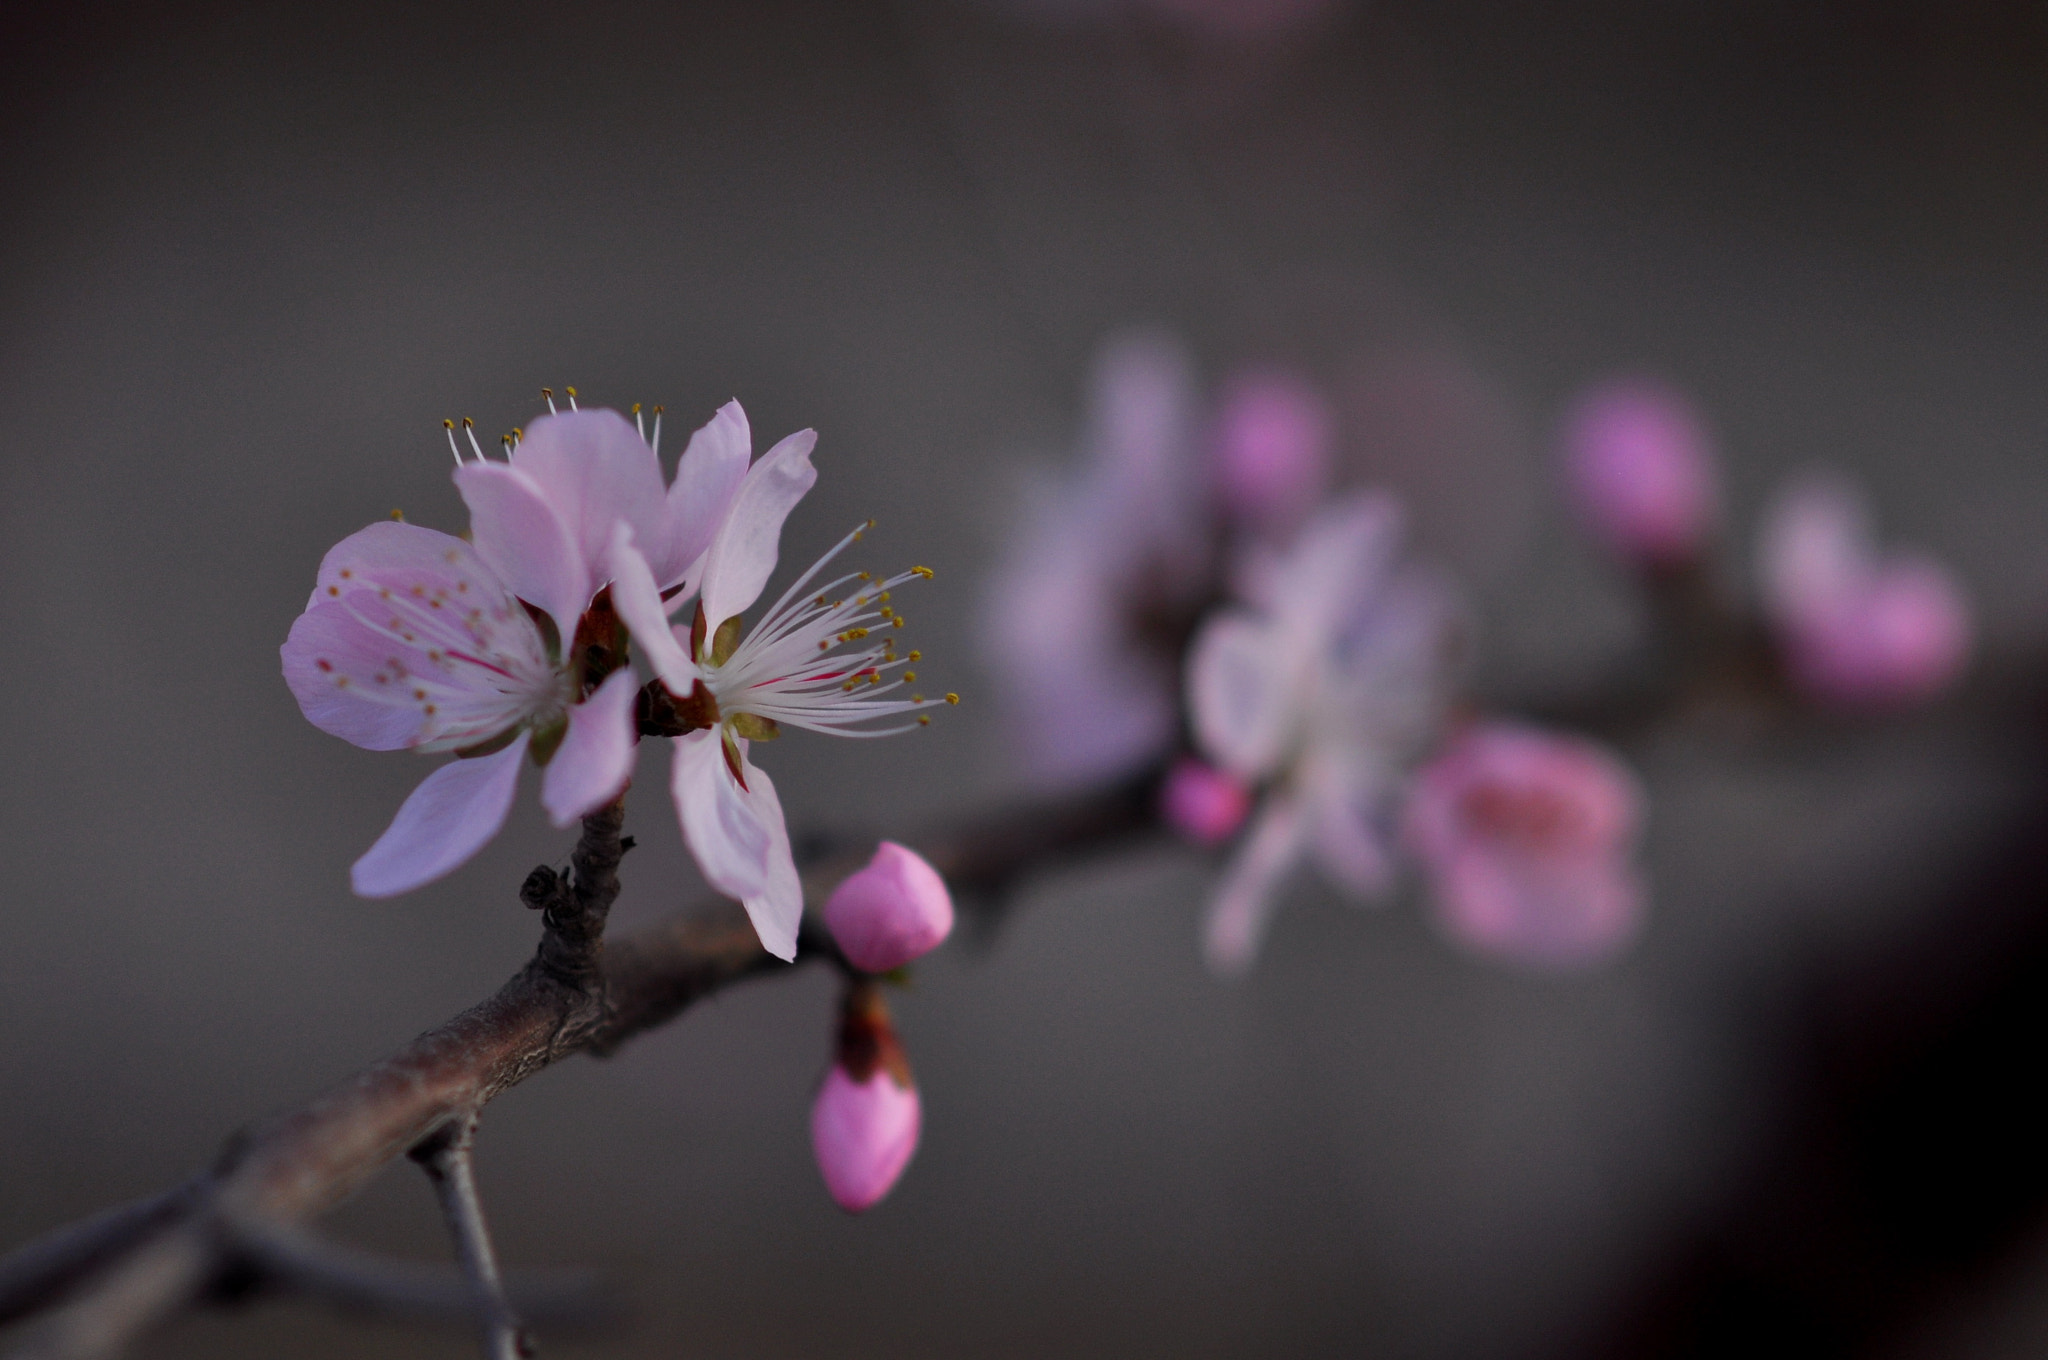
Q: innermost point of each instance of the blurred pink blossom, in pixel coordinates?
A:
(1203, 803)
(893, 911)
(1641, 472)
(863, 1133)
(1272, 449)
(1856, 629)
(1075, 610)
(1322, 687)
(1526, 838)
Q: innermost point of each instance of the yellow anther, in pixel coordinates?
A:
(870, 524)
(952, 698)
(571, 391)
(924, 720)
(856, 632)
(896, 622)
(917, 698)
(447, 424)
(864, 576)
(398, 515)
(659, 409)
(636, 408)
(874, 677)
(847, 687)
(548, 393)
(883, 597)
(517, 434)
(925, 572)
(468, 424)
(910, 675)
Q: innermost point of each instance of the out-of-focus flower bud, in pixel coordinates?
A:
(1272, 449)
(866, 1119)
(1526, 837)
(1640, 470)
(895, 910)
(1203, 803)
(1856, 630)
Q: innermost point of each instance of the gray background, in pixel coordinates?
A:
(253, 257)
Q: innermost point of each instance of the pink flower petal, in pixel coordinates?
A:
(331, 661)
(1237, 920)
(595, 760)
(640, 606)
(1568, 915)
(707, 478)
(743, 552)
(894, 910)
(721, 825)
(522, 539)
(448, 818)
(595, 470)
(863, 1135)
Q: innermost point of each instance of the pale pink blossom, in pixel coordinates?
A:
(1856, 629)
(1526, 838)
(1322, 688)
(1203, 803)
(1641, 471)
(1078, 628)
(415, 639)
(863, 1133)
(728, 688)
(1272, 449)
(894, 910)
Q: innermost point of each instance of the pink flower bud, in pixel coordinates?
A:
(863, 1134)
(1856, 629)
(895, 910)
(1273, 438)
(1641, 472)
(1203, 803)
(1526, 838)
(865, 1121)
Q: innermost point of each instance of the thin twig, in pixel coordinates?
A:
(449, 1162)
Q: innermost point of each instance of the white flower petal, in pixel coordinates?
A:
(448, 818)
(722, 826)
(707, 478)
(743, 552)
(1236, 925)
(1243, 683)
(778, 909)
(639, 604)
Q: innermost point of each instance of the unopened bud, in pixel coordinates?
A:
(1273, 435)
(1203, 803)
(1640, 470)
(866, 1119)
(895, 910)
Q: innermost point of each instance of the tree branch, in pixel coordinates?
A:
(107, 1280)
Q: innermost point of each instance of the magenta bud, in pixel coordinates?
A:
(1273, 438)
(895, 910)
(863, 1134)
(1641, 472)
(1203, 803)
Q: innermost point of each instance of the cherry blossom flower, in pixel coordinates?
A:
(866, 1118)
(1083, 624)
(723, 688)
(1641, 472)
(891, 912)
(1322, 689)
(414, 639)
(1856, 629)
(1526, 838)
